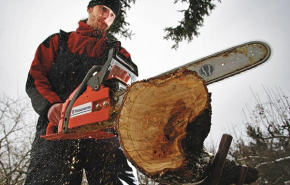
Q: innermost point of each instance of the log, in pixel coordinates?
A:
(162, 125)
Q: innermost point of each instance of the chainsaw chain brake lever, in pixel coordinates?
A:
(94, 81)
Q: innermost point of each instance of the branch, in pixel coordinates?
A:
(15, 137)
(275, 137)
(189, 25)
(273, 162)
(280, 178)
(251, 157)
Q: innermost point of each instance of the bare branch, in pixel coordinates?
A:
(15, 139)
(267, 146)
(273, 162)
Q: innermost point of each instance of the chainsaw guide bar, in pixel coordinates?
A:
(228, 62)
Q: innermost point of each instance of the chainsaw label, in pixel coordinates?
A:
(206, 70)
(81, 109)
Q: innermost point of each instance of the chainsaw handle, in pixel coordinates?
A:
(49, 128)
(76, 94)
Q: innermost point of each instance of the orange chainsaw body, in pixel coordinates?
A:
(86, 110)
(91, 110)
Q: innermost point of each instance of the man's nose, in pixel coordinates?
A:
(106, 14)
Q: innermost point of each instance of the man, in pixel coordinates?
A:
(59, 66)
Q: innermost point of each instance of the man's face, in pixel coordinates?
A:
(100, 17)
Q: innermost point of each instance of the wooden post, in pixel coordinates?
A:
(220, 158)
(242, 175)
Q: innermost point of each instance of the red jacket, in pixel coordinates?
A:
(84, 41)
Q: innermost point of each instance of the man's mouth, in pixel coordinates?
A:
(103, 23)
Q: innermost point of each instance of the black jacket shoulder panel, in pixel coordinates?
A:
(46, 41)
(61, 35)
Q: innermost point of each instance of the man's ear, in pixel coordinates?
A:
(89, 9)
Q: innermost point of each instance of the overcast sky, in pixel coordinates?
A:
(25, 24)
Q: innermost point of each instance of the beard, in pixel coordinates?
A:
(98, 24)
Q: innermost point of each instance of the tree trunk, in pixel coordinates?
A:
(162, 126)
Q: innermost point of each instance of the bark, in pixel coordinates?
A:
(162, 126)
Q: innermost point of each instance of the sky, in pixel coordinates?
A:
(25, 24)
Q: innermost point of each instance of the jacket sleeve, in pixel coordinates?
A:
(38, 87)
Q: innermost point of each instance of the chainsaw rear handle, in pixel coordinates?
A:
(49, 128)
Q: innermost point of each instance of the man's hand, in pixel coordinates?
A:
(54, 113)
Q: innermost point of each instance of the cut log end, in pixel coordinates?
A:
(163, 123)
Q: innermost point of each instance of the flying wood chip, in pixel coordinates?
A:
(161, 124)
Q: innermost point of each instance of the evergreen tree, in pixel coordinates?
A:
(186, 30)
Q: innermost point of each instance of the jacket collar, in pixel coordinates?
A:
(87, 30)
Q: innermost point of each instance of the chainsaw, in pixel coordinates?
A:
(91, 110)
